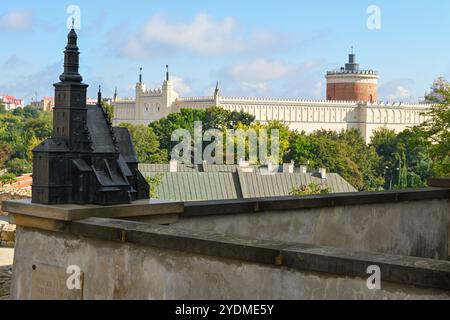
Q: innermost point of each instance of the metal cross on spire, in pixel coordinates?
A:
(73, 22)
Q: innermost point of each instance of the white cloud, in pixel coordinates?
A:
(274, 78)
(12, 63)
(181, 85)
(25, 86)
(202, 36)
(319, 89)
(263, 70)
(397, 90)
(260, 70)
(16, 21)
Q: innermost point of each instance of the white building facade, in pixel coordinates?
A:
(302, 115)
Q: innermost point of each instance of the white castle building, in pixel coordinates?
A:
(356, 107)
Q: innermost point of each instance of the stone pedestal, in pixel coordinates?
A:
(58, 217)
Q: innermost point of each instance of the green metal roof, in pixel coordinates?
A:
(166, 168)
(198, 186)
(218, 184)
(256, 185)
(232, 168)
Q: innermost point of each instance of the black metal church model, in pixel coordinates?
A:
(86, 161)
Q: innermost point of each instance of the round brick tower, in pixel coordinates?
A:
(352, 84)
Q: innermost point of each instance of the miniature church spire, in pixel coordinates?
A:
(71, 59)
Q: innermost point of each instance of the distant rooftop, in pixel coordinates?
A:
(352, 67)
(229, 182)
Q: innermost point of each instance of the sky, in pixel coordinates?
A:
(257, 48)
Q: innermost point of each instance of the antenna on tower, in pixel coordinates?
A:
(140, 75)
(167, 72)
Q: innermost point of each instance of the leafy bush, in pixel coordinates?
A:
(154, 182)
(19, 166)
(8, 178)
(311, 189)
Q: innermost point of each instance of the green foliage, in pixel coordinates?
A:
(436, 130)
(8, 178)
(311, 189)
(146, 144)
(154, 181)
(211, 118)
(405, 160)
(27, 112)
(5, 153)
(20, 131)
(19, 166)
(345, 153)
(2, 108)
(109, 110)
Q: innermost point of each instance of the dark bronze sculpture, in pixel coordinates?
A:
(86, 161)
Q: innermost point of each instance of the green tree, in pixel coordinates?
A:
(154, 181)
(345, 153)
(109, 110)
(30, 112)
(300, 149)
(405, 161)
(437, 131)
(40, 127)
(5, 153)
(146, 144)
(18, 166)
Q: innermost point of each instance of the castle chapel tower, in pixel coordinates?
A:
(352, 84)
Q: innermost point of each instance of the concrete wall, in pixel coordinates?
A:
(419, 228)
(114, 270)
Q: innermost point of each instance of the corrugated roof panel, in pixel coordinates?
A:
(193, 186)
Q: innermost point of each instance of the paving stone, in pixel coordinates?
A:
(5, 282)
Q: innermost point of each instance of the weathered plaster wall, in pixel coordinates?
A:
(419, 229)
(125, 271)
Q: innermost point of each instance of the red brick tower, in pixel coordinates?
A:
(352, 84)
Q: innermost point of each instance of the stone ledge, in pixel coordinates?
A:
(224, 207)
(397, 269)
(72, 212)
(439, 182)
(146, 208)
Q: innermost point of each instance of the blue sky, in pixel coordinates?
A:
(253, 48)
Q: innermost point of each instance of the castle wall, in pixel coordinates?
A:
(301, 115)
